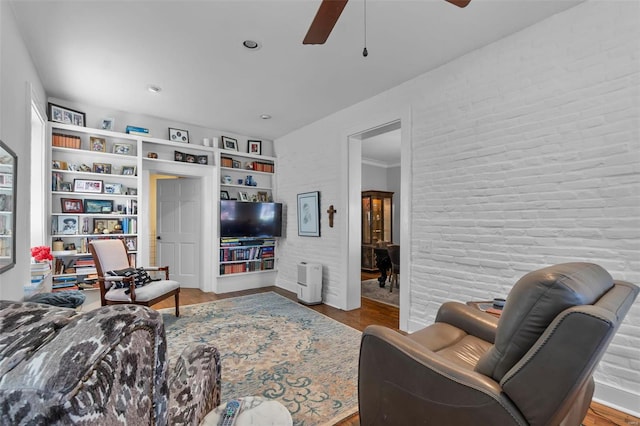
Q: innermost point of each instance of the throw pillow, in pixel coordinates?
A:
(140, 277)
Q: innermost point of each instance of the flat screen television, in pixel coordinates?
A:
(243, 219)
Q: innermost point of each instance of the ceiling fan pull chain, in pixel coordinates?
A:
(365, 53)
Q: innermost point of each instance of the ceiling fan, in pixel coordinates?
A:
(328, 15)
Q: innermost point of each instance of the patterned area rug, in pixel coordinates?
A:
(372, 290)
(273, 347)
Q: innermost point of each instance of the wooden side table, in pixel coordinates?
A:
(486, 306)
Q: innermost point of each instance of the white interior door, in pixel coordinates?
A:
(178, 229)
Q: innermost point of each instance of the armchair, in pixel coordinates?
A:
(112, 255)
(104, 367)
(533, 366)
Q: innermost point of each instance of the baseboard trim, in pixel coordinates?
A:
(617, 399)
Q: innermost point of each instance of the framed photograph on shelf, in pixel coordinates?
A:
(129, 170)
(113, 188)
(65, 115)
(131, 243)
(202, 159)
(107, 124)
(179, 156)
(98, 206)
(237, 164)
(177, 135)
(132, 191)
(254, 147)
(190, 158)
(59, 165)
(97, 144)
(229, 143)
(309, 214)
(242, 196)
(65, 186)
(68, 225)
(113, 225)
(71, 205)
(224, 195)
(263, 196)
(123, 148)
(87, 185)
(103, 168)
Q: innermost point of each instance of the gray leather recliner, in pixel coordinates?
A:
(533, 366)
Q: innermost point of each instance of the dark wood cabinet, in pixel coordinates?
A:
(377, 219)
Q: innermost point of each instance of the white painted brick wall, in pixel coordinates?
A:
(525, 153)
(529, 155)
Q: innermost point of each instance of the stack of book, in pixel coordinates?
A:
(64, 283)
(65, 141)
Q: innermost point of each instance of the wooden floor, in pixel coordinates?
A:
(372, 312)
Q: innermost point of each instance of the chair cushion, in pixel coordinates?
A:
(533, 303)
(143, 294)
(140, 277)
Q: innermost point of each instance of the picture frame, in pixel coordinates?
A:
(113, 188)
(224, 195)
(237, 164)
(132, 191)
(123, 148)
(131, 243)
(99, 225)
(97, 144)
(178, 135)
(65, 115)
(107, 123)
(179, 156)
(309, 214)
(98, 206)
(229, 143)
(71, 205)
(65, 187)
(88, 185)
(202, 159)
(68, 225)
(112, 224)
(102, 168)
(263, 196)
(254, 147)
(190, 158)
(129, 170)
(243, 196)
(58, 165)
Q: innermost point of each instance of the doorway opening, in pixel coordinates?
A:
(395, 178)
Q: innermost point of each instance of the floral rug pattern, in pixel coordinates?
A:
(273, 347)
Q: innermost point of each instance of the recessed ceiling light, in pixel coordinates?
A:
(251, 44)
(265, 116)
(154, 89)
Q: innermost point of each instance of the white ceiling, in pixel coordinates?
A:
(106, 53)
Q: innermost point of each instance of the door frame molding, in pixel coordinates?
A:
(208, 209)
(351, 198)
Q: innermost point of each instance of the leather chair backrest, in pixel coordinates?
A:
(394, 254)
(533, 303)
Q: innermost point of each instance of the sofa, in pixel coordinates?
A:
(104, 367)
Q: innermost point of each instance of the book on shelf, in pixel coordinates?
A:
(139, 130)
(65, 141)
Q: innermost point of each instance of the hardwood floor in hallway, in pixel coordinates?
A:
(372, 312)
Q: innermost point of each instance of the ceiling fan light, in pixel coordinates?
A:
(154, 89)
(265, 116)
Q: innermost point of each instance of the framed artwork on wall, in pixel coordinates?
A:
(309, 214)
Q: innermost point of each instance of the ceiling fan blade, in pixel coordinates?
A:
(459, 3)
(325, 20)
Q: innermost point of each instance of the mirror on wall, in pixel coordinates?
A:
(8, 181)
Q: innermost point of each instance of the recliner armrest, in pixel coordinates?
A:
(194, 385)
(402, 382)
(472, 320)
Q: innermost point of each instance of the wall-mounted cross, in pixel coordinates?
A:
(331, 212)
